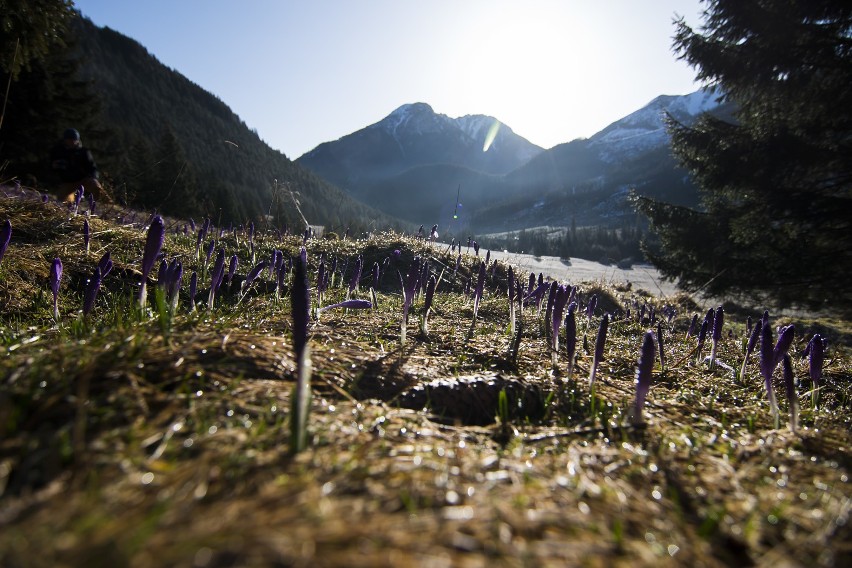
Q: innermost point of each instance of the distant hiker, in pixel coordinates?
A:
(75, 167)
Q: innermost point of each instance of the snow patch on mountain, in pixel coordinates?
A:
(645, 129)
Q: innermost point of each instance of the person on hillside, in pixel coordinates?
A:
(74, 165)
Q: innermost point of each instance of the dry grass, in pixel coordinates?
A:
(131, 440)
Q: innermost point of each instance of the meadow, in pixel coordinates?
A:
(158, 431)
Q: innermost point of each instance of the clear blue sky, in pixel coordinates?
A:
(302, 73)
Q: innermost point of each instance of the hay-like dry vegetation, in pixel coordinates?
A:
(151, 439)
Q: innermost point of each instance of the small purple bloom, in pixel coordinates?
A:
(105, 264)
(232, 267)
(193, 288)
(153, 244)
(590, 307)
(785, 340)
(86, 234)
(693, 325)
(816, 355)
(252, 276)
(718, 322)
(216, 277)
(644, 372)
(91, 292)
(480, 284)
(660, 344)
(767, 367)
(752, 342)
(702, 335)
(559, 302)
(599, 348)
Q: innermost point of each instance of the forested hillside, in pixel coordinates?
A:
(161, 141)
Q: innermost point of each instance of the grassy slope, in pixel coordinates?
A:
(133, 440)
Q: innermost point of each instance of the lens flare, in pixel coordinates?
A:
(492, 134)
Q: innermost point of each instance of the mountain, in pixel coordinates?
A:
(168, 144)
(411, 159)
(586, 181)
(413, 164)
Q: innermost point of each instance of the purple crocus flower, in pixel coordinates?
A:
(91, 292)
(548, 310)
(559, 302)
(590, 307)
(644, 372)
(693, 325)
(476, 248)
(153, 244)
(571, 336)
(767, 367)
(750, 345)
(433, 234)
(427, 304)
(216, 277)
(816, 356)
(599, 349)
(792, 399)
(477, 294)
(86, 234)
(105, 264)
(173, 291)
(785, 340)
(78, 195)
(458, 263)
(232, 268)
(5, 237)
(163, 274)
(252, 276)
(377, 274)
(55, 278)
(718, 322)
(702, 335)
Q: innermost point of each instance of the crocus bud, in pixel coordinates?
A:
(153, 244)
(91, 292)
(643, 376)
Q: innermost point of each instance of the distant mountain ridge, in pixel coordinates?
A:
(414, 136)
(414, 162)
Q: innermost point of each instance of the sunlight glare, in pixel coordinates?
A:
(492, 134)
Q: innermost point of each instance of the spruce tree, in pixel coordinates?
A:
(775, 222)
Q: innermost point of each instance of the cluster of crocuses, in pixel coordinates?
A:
(759, 335)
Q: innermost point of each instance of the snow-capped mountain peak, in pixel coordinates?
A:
(645, 129)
